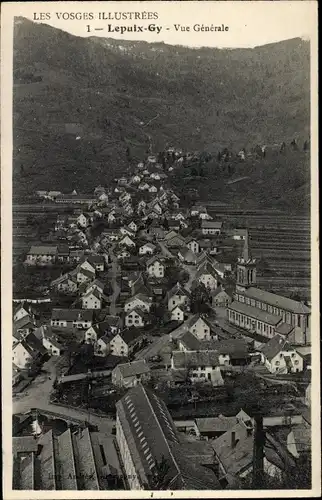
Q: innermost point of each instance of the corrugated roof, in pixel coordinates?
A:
(72, 314)
(277, 300)
(255, 313)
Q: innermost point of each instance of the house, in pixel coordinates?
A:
(178, 296)
(133, 226)
(16, 375)
(135, 317)
(126, 241)
(147, 248)
(207, 275)
(84, 275)
(82, 220)
(22, 327)
(280, 357)
(155, 176)
(252, 319)
(130, 374)
(27, 350)
(42, 255)
(136, 179)
(234, 456)
(139, 300)
(111, 325)
(214, 427)
(151, 214)
(65, 283)
(195, 210)
(22, 311)
(173, 225)
(96, 285)
(205, 216)
(155, 229)
(200, 327)
(125, 342)
(123, 254)
(153, 189)
(177, 313)
(155, 267)
(237, 234)
(71, 318)
(187, 256)
(201, 366)
(63, 254)
(92, 299)
(111, 217)
(211, 227)
(173, 239)
(97, 262)
(52, 345)
(127, 231)
(220, 298)
(143, 186)
(193, 244)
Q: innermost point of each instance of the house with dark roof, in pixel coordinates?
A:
(72, 318)
(211, 227)
(187, 256)
(199, 366)
(178, 313)
(220, 297)
(178, 296)
(193, 244)
(125, 342)
(130, 374)
(148, 440)
(92, 299)
(66, 283)
(147, 249)
(280, 357)
(42, 255)
(207, 275)
(136, 318)
(200, 327)
(155, 267)
(27, 350)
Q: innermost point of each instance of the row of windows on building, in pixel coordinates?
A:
(263, 327)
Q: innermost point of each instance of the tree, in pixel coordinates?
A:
(200, 299)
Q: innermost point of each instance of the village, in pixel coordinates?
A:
(150, 358)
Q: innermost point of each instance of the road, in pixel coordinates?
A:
(37, 396)
(115, 286)
(162, 344)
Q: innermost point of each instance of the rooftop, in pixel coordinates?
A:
(43, 250)
(72, 314)
(186, 359)
(255, 313)
(133, 368)
(275, 346)
(277, 300)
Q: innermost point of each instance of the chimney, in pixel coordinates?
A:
(233, 439)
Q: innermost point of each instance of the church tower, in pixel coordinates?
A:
(246, 269)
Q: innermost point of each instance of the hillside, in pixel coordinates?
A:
(106, 92)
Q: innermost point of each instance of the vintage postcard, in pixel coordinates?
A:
(160, 263)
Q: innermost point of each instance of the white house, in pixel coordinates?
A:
(127, 241)
(84, 275)
(201, 366)
(143, 186)
(155, 267)
(153, 189)
(140, 300)
(177, 313)
(133, 226)
(147, 249)
(155, 176)
(127, 231)
(130, 374)
(71, 318)
(199, 327)
(211, 227)
(92, 300)
(82, 220)
(207, 275)
(52, 345)
(280, 357)
(220, 298)
(135, 318)
(125, 342)
(102, 346)
(178, 296)
(111, 217)
(88, 266)
(136, 179)
(193, 245)
(27, 350)
(20, 312)
(95, 285)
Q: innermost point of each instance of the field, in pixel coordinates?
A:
(282, 244)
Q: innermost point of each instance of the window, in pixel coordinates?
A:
(281, 355)
(293, 355)
(296, 362)
(298, 320)
(277, 363)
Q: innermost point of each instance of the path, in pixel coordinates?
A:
(115, 286)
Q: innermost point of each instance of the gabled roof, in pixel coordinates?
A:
(72, 314)
(94, 292)
(149, 245)
(193, 320)
(133, 368)
(177, 290)
(137, 310)
(186, 253)
(190, 341)
(154, 259)
(206, 268)
(274, 346)
(211, 224)
(277, 300)
(141, 296)
(130, 335)
(43, 250)
(95, 259)
(186, 359)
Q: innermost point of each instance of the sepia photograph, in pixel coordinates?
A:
(163, 320)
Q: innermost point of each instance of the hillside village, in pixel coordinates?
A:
(154, 341)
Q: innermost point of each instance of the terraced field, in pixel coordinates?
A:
(281, 242)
